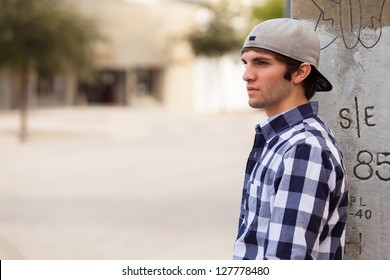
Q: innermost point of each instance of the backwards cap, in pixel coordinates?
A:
(291, 38)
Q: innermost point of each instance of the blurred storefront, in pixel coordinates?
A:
(146, 61)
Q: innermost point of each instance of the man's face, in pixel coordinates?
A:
(266, 86)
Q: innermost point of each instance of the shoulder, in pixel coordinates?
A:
(312, 140)
(311, 131)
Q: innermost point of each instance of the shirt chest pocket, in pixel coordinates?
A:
(259, 196)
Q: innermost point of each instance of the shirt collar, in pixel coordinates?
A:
(276, 124)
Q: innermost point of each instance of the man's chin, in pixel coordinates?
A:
(255, 105)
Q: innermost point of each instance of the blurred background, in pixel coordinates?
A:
(124, 127)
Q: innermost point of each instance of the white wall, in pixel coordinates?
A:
(218, 85)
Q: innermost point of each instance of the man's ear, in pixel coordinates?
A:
(300, 75)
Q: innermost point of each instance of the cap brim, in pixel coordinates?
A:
(322, 83)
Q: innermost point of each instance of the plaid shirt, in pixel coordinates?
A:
(295, 197)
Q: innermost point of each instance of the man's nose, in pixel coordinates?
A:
(248, 74)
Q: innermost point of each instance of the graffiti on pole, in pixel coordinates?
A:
(350, 22)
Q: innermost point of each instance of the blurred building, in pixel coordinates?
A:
(146, 62)
(147, 53)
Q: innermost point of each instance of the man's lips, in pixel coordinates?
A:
(251, 89)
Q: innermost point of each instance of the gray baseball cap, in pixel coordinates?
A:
(291, 38)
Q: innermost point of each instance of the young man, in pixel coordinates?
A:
(295, 197)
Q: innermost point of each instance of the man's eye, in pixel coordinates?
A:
(262, 62)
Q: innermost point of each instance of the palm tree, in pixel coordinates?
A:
(44, 36)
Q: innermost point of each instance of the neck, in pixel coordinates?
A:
(295, 99)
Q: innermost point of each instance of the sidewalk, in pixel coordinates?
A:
(119, 183)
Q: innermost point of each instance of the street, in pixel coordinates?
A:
(122, 183)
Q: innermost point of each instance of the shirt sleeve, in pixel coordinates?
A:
(301, 203)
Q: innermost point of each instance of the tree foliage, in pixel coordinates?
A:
(269, 10)
(219, 36)
(45, 35)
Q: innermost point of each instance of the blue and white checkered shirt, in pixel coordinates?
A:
(295, 197)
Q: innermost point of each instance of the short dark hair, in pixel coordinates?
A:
(309, 84)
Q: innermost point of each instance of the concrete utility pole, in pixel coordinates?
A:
(355, 41)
